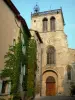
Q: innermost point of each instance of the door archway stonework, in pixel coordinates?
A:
(44, 79)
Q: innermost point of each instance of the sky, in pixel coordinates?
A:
(25, 8)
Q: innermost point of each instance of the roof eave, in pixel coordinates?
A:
(37, 33)
(12, 6)
(17, 15)
(24, 24)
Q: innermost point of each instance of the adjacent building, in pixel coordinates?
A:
(11, 22)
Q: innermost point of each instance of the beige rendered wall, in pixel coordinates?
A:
(8, 30)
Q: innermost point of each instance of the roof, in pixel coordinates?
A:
(49, 12)
(37, 34)
(71, 49)
(12, 6)
(21, 19)
(17, 14)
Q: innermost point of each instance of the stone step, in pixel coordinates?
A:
(56, 98)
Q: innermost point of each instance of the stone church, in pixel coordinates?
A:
(56, 62)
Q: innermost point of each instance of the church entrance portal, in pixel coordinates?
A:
(50, 86)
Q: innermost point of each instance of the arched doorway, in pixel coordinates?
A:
(50, 86)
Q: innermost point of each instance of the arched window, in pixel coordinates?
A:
(45, 22)
(51, 55)
(69, 72)
(52, 23)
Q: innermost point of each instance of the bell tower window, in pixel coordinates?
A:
(52, 24)
(51, 55)
(45, 22)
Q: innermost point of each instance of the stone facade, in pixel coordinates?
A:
(39, 46)
(39, 43)
(64, 55)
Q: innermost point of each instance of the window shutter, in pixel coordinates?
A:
(24, 70)
(0, 86)
(9, 87)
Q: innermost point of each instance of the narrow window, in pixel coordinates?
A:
(51, 55)
(69, 73)
(4, 86)
(45, 22)
(52, 23)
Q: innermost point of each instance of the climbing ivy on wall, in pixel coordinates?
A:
(13, 65)
(15, 58)
(31, 68)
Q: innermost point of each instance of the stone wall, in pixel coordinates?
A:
(64, 55)
(71, 53)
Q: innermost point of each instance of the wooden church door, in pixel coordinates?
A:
(50, 86)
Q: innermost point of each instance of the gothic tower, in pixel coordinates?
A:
(50, 25)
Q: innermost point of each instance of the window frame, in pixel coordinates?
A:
(52, 24)
(51, 56)
(45, 24)
(69, 73)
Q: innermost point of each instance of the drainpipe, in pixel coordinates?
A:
(41, 74)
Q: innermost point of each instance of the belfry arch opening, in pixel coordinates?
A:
(52, 23)
(45, 24)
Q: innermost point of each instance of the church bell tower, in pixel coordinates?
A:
(50, 25)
